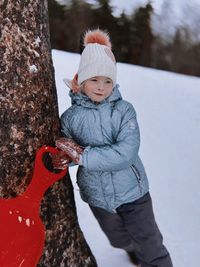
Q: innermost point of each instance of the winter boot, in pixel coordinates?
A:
(133, 258)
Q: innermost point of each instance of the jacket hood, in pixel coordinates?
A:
(84, 100)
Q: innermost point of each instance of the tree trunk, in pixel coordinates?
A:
(28, 120)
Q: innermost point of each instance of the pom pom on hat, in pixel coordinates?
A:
(97, 36)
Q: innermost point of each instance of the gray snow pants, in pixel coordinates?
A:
(133, 228)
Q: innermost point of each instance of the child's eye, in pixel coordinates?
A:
(93, 80)
(108, 81)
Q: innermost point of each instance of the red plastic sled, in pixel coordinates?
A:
(22, 233)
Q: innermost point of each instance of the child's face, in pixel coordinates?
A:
(97, 88)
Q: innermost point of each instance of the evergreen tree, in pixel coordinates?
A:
(103, 14)
(57, 27)
(141, 36)
(132, 37)
(103, 18)
(78, 14)
(122, 38)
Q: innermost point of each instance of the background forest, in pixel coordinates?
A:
(134, 39)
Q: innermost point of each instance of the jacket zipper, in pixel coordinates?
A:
(137, 174)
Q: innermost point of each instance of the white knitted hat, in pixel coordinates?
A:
(97, 59)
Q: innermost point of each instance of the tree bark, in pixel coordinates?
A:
(29, 119)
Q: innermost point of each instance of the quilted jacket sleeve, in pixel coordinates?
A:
(65, 129)
(122, 153)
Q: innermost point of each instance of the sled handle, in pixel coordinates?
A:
(42, 178)
(40, 168)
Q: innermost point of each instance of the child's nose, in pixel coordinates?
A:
(100, 85)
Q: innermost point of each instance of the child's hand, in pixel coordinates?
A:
(72, 149)
(60, 160)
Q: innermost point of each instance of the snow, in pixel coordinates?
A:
(37, 41)
(168, 112)
(28, 222)
(33, 69)
(20, 219)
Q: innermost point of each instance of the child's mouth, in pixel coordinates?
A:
(98, 94)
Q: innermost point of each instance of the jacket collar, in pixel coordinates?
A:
(83, 100)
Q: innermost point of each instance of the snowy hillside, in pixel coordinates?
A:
(168, 111)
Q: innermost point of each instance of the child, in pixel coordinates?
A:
(101, 135)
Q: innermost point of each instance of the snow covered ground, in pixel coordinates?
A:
(168, 112)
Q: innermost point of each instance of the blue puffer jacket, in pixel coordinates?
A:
(112, 172)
